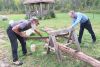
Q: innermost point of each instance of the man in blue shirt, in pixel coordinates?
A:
(84, 21)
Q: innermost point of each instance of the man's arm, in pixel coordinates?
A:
(16, 30)
(38, 33)
(79, 17)
(75, 22)
(34, 28)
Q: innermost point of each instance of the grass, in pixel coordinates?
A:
(62, 20)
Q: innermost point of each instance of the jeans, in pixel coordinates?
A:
(86, 25)
(14, 44)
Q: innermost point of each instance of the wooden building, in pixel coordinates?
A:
(43, 9)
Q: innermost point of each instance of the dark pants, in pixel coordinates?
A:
(88, 26)
(14, 44)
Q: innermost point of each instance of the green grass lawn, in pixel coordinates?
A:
(62, 20)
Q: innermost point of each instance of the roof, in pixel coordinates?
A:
(38, 1)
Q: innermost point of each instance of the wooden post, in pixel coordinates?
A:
(48, 7)
(26, 11)
(29, 10)
(25, 8)
(36, 9)
(58, 52)
(50, 43)
(41, 13)
(76, 41)
(74, 37)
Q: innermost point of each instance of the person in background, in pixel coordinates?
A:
(85, 23)
(16, 31)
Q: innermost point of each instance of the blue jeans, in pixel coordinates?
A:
(14, 44)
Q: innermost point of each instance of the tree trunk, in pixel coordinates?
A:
(80, 55)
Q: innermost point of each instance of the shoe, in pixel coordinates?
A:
(18, 63)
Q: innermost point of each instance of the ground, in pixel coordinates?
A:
(38, 58)
(3, 51)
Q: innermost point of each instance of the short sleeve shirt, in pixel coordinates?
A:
(23, 25)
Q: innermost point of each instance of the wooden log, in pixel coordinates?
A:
(37, 38)
(80, 55)
(60, 32)
(56, 32)
(47, 37)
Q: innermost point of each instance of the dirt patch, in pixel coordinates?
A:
(4, 62)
